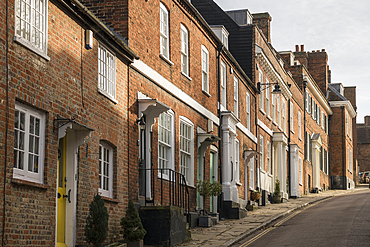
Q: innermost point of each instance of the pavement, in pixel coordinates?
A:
(228, 232)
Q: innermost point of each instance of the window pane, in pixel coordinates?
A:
(36, 164)
(30, 162)
(21, 140)
(30, 141)
(21, 160)
(22, 121)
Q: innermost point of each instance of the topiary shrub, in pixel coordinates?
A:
(133, 230)
(96, 228)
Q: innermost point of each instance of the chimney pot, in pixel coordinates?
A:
(302, 47)
(318, 51)
(296, 47)
(313, 51)
(323, 50)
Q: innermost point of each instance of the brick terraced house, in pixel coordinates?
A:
(64, 118)
(143, 100)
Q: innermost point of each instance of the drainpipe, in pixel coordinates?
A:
(289, 159)
(6, 117)
(257, 134)
(304, 116)
(343, 148)
(219, 50)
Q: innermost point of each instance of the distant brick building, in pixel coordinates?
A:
(363, 145)
(342, 165)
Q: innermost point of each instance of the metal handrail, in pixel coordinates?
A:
(174, 184)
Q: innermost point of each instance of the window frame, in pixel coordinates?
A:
(300, 170)
(299, 125)
(236, 96)
(269, 163)
(251, 173)
(284, 115)
(205, 69)
(184, 35)
(170, 147)
(108, 88)
(25, 174)
(248, 109)
(164, 34)
(223, 78)
(278, 108)
(25, 41)
(106, 192)
(260, 78)
(273, 107)
(262, 153)
(267, 89)
(237, 161)
(190, 159)
(291, 116)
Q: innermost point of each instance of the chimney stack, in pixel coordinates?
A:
(367, 120)
(263, 20)
(297, 48)
(302, 48)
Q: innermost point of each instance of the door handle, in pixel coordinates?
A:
(68, 196)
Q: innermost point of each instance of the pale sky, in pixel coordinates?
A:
(341, 27)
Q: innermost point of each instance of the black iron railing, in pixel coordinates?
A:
(167, 187)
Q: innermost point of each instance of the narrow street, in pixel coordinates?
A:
(338, 221)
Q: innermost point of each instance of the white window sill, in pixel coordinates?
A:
(300, 184)
(292, 131)
(263, 112)
(268, 117)
(21, 177)
(275, 123)
(270, 175)
(187, 77)
(167, 60)
(105, 94)
(31, 47)
(191, 186)
(262, 171)
(239, 183)
(206, 93)
(105, 193)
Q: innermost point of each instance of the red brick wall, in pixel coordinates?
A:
(54, 87)
(318, 68)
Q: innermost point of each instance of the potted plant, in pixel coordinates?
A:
(133, 230)
(277, 195)
(207, 189)
(255, 195)
(96, 228)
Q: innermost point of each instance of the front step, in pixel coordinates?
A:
(165, 225)
(232, 210)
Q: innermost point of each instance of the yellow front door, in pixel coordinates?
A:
(61, 198)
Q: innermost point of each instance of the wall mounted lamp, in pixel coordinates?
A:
(276, 90)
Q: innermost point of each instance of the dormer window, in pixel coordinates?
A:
(225, 39)
(222, 34)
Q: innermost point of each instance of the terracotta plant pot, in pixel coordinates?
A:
(277, 198)
(255, 196)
